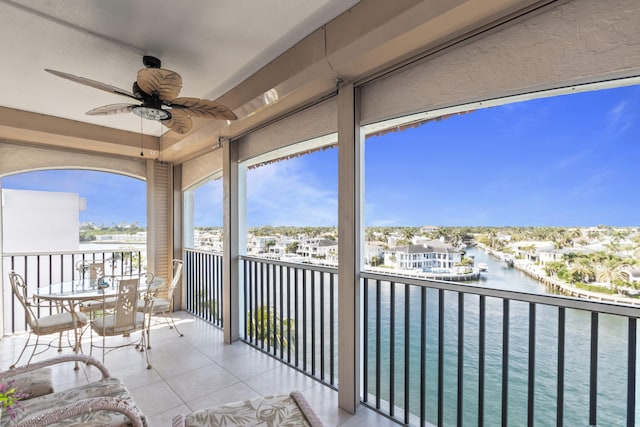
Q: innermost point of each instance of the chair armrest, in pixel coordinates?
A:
(82, 407)
(88, 360)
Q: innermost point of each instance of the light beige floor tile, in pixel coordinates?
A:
(178, 360)
(165, 418)
(365, 418)
(233, 393)
(249, 364)
(279, 380)
(194, 372)
(324, 402)
(200, 382)
(136, 376)
(156, 398)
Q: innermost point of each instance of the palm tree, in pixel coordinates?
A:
(408, 233)
(583, 270)
(528, 249)
(609, 271)
(553, 268)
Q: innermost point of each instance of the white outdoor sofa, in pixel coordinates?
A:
(105, 402)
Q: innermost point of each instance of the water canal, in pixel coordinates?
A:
(612, 357)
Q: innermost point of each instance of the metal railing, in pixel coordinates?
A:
(43, 269)
(443, 353)
(291, 313)
(433, 352)
(203, 285)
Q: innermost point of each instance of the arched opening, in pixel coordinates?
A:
(53, 220)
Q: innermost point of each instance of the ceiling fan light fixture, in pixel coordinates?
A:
(151, 113)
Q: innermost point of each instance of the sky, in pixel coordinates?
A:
(571, 160)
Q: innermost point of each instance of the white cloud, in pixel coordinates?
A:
(620, 119)
(284, 194)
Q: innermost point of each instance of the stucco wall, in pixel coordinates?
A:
(577, 42)
(16, 158)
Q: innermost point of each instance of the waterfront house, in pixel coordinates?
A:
(317, 248)
(433, 254)
(260, 244)
(303, 76)
(556, 255)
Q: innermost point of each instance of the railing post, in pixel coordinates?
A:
(350, 160)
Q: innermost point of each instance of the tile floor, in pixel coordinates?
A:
(198, 371)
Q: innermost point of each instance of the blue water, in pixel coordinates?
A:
(612, 357)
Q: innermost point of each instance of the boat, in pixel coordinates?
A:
(483, 267)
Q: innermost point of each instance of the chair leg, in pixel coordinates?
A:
(35, 347)
(148, 331)
(22, 352)
(144, 347)
(171, 322)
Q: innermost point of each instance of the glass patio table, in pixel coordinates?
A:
(79, 290)
(66, 295)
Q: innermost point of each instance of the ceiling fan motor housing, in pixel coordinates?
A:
(151, 62)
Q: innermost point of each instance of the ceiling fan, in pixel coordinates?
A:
(157, 89)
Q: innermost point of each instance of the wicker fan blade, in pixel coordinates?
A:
(179, 122)
(165, 83)
(203, 108)
(92, 83)
(106, 110)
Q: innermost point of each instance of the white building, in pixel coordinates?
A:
(317, 247)
(260, 244)
(41, 221)
(208, 240)
(281, 246)
(429, 255)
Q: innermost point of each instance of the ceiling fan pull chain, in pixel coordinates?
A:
(141, 141)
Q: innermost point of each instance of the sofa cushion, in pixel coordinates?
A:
(268, 411)
(34, 383)
(111, 387)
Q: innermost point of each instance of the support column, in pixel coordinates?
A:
(3, 274)
(188, 225)
(234, 240)
(152, 239)
(159, 218)
(177, 229)
(350, 184)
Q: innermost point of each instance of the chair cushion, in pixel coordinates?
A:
(111, 387)
(161, 305)
(264, 411)
(58, 323)
(105, 325)
(34, 383)
(89, 306)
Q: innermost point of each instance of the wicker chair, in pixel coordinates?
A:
(44, 325)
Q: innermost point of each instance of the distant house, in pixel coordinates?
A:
(371, 251)
(260, 244)
(281, 246)
(555, 255)
(633, 274)
(317, 247)
(431, 254)
(429, 229)
(530, 249)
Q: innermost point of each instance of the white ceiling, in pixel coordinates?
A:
(213, 45)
